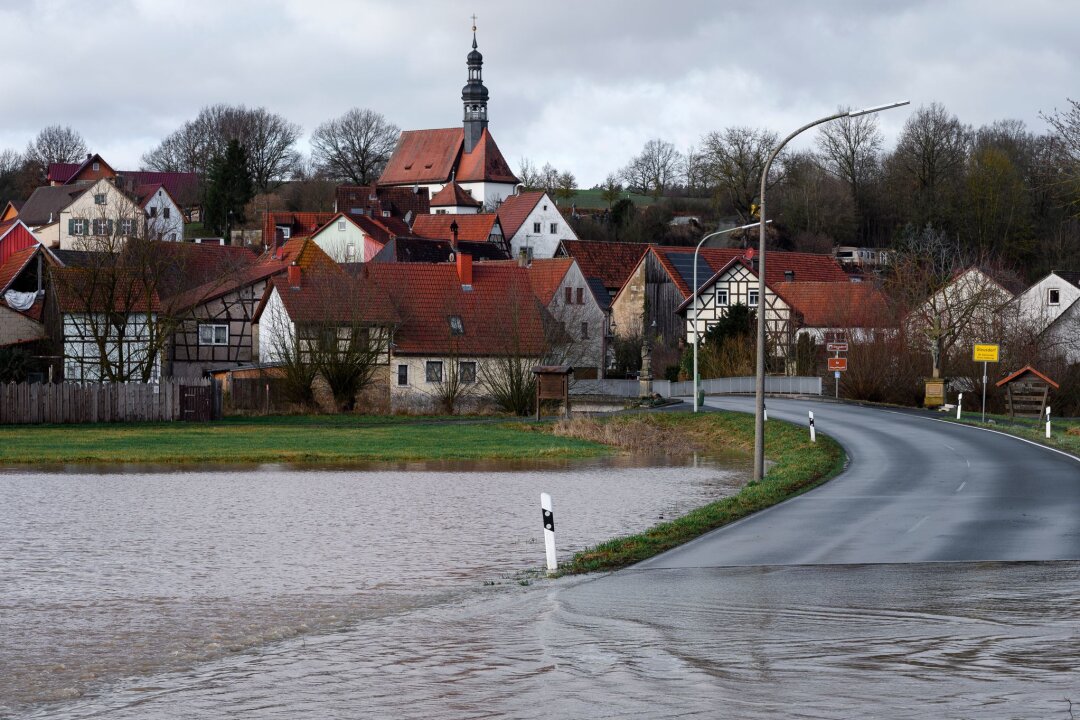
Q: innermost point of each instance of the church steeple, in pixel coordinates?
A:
(474, 96)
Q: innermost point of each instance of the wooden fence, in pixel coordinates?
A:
(258, 394)
(62, 403)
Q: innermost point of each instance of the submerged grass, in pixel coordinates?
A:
(338, 439)
(797, 465)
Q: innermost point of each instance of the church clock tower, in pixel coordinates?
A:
(474, 96)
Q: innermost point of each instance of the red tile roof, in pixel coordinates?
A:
(328, 295)
(545, 275)
(302, 250)
(15, 264)
(436, 156)
(474, 228)
(833, 304)
(485, 163)
(61, 172)
(453, 195)
(611, 262)
(516, 208)
(373, 200)
(196, 264)
(82, 290)
(500, 314)
(807, 267)
(301, 224)
(182, 186)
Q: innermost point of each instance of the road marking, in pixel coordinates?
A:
(916, 525)
(949, 446)
(961, 486)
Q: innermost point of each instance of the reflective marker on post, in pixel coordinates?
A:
(1047, 422)
(764, 412)
(813, 432)
(549, 531)
(959, 405)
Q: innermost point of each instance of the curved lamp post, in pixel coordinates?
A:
(759, 380)
(694, 294)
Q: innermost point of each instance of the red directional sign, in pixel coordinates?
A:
(836, 347)
(838, 363)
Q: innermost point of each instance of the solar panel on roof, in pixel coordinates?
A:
(684, 265)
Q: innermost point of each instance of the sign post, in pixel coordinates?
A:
(836, 363)
(985, 354)
(959, 404)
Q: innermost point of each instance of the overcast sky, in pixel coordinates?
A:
(579, 84)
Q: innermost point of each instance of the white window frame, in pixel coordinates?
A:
(1050, 296)
(433, 365)
(341, 226)
(401, 367)
(536, 227)
(97, 167)
(213, 334)
(554, 229)
(79, 227)
(101, 199)
(469, 377)
(127, 226)
(721, 297)
(752, 298)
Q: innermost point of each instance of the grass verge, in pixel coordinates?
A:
(1065, 434)
(338, 439)
(797, 466)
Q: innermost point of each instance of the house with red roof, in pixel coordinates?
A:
(651, 301)
(403, 203)
(99, 215)
(22, 295)
(533, 224)
(182, 187)
(104, 322)
(605, 265)
(214, 321)
(581, 335)
(349, 238)
(467, 155)
(164, 219)
(454, 200)
(476, 228)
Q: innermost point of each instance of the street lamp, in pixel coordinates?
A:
(759, 380)
(693, 295)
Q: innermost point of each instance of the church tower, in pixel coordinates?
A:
(474, 96)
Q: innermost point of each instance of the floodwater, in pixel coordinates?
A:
(112, 581)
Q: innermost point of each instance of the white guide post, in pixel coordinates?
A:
(1047, 422)
(813, 432)
(959, 404)
(765, 412)
(549, 531)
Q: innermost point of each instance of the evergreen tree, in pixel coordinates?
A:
(229, 188)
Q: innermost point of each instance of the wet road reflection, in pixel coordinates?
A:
(991, 640)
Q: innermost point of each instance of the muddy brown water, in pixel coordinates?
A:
(108, 577)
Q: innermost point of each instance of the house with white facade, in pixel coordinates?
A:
(164, 219)
(86, 217)
(455, 200)
(1050, 307)
(344, 239)
(533, 224)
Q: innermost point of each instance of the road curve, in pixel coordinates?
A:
(916, 490)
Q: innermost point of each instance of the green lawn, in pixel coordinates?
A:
(797, 465)
(337, 439)
(1064, 434)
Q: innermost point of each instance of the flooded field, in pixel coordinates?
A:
(111, 578)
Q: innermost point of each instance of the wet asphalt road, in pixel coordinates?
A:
(917, 490)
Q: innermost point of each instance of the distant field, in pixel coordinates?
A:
(309, 439)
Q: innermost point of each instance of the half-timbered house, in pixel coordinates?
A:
(215, 330)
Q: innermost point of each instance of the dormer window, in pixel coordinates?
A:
(1053, 296)
(456, 326)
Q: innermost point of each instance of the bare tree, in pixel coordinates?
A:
(611, 189)
(549, 179)
(56, 144)
(1066, 125)
(849, 150)
(929, 160)
(530, 176)
(736, 158)
(355, 146)
(566, 186)
(268, 138)
(657, 166)
(11, 169)
(695, 171)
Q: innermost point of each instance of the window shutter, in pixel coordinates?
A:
(71, 226)
(109, 227)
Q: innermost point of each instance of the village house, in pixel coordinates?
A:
(181, 187)
(477, 228)
(579, 337)
(401, 203)
(103, 322)
(467, 155)
(605, 265)
(533, 224)
(1045, 301)
(98, 215)
(22, 295)
(344, 238)
(454, 200)
(215, 319)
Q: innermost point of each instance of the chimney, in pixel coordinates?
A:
(789, 276)
(294, 276)
(464, 268)
(453, 232)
